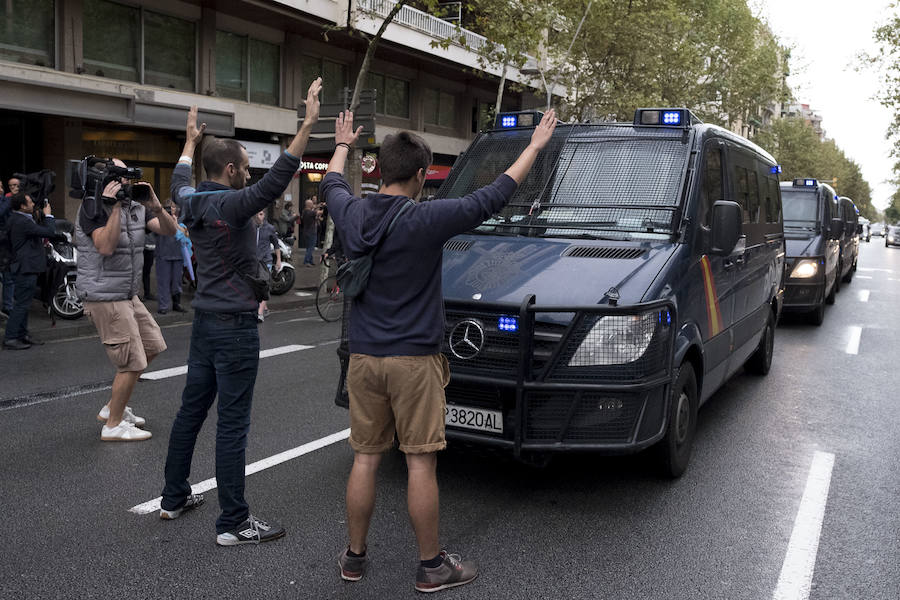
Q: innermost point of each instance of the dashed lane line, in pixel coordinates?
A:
(260, 465)
(795, 580)
(864, 277)
(853, 343)
(176, 371)
(864, 295)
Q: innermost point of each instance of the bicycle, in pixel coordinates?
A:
(329, 297)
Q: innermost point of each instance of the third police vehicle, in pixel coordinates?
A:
(636, 269)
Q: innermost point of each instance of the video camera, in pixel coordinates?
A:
(38, 185)
(93, 174)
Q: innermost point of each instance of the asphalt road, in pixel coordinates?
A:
(583, 527)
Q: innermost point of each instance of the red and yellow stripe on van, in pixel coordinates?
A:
(713, 313)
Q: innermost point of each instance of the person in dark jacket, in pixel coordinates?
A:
(29, 259)
(397, 373)
(6, 277)
(170, 269)
(266, 240)
(224, 353)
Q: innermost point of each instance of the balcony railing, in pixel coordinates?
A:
(425, 23)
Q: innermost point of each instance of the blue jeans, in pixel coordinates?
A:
(8, 287)
(224, 358)
(310, 246)
(17, 326)
(168, 281)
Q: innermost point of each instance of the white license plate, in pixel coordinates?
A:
(468, 417)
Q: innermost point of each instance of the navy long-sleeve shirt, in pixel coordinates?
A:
(27, 240)
(224, 235)
(401, 312)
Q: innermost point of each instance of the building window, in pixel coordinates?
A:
(392, 98)
(247, 69)
(113, 34)
(112, 40)
(440, 108)
(169, 55)
(336, 74)
(27, 32)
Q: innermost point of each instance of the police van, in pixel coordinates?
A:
(636, 269)
(813, 230)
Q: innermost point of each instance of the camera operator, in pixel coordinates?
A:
(224, 354)
(29, 259)
(109, 233)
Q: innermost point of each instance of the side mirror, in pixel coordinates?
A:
(726, 227)
(837, 228)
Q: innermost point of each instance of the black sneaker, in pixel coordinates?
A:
(352, 567)
(193, 501)
(251, 531)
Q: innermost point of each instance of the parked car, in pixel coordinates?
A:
(637, 268)
(813, 231)
(892, 237)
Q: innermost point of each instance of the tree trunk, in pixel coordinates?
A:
(500, 87)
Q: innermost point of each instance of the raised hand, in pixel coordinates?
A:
(193, 133)
(312, 102)
(343, 129)
(544, 131)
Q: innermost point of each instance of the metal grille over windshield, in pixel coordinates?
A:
(605, 181)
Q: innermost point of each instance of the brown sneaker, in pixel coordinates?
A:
(352, 567)
(452, 572)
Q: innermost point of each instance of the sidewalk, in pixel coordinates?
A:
(302, 294)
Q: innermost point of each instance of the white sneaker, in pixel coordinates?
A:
(124, 432)
(130, 417)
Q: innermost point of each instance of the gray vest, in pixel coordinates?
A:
(116, 277)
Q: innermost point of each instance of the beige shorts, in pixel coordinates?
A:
(128, 332)
(397, 394)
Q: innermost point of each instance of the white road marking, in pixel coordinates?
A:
(209, 484)
(302, 294)
(864, 295)
(301, 319)
(795, 580)
(874, 269)
(176, 371)
(853, 344)
(864, 277)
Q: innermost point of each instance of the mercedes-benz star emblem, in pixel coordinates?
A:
(466, 339)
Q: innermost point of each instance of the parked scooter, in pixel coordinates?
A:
(62, 257)
(282, 280)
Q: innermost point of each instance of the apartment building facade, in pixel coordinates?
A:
(115, 77)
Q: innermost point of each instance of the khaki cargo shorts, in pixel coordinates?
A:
(128, 332)
(397, 394)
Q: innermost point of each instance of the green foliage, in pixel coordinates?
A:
(800, 152)
(887, 61)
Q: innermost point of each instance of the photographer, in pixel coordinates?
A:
(109, 233)
(224, 354)
(28, 261)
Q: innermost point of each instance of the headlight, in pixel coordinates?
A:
(890, 238)
(615, 340)
(805, 269)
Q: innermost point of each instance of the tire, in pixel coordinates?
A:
(674, 450)
(329, 300)
(282, 281)
(817, 316)
(829, 299)
(849, 276)
(65, 303)
(760, 361)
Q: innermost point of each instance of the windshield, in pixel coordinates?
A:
(801, 208)
(592, 181)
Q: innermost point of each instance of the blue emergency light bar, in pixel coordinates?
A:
(666, 117)
(806, 182)
(510, 120)
(510, 324)
(775, 170)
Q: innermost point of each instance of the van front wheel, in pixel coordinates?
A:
(674, 450)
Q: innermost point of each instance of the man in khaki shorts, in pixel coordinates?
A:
(397, 374)
(109, 233)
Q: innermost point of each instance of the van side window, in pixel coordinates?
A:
(773, 209)
(742, 190)
(753, 198)
(711, 187)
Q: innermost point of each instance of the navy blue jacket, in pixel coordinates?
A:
(401, 312)
(26, 237)
(223, 233)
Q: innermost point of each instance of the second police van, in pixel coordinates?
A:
(636, 269)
